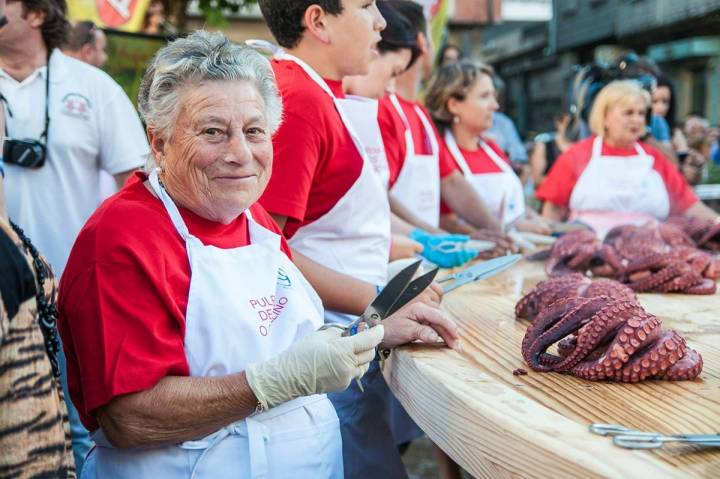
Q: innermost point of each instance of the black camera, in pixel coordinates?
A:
(26, 153)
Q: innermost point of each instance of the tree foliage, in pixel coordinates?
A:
(215, 10)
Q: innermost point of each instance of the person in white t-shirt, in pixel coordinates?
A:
(75, 122)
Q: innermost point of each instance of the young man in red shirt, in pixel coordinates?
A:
(329, 201)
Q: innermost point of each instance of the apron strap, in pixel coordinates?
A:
(597, 147)
(455, 152)
(170, 206)
(429, 131)
(502, 164)
(322, 84)
(409, 142)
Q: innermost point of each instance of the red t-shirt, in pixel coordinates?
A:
(124, 294)
(560, 181)
(315, 159)
(478, 161)
(421, 141)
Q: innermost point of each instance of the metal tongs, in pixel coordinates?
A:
(632, 439)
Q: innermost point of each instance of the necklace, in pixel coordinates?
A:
(47, 312)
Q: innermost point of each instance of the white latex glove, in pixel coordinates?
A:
(321, 362)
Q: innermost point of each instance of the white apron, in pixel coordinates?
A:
(418, 184)
(245, 305)
(368, 132)
(352, 238)
(493, 188)
(617, 190)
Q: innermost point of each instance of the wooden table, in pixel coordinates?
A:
(498, 425)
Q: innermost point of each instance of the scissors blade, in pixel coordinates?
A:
(383, 302)
(482, 271)
(416, 287)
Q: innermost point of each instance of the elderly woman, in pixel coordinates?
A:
(461, 99)
(613, 178)
(192, 340)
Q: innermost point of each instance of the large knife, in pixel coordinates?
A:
(479, 271)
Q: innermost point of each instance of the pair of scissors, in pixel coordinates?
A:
(399, 291)
(632, 439)
(454, 246)
(479, 271)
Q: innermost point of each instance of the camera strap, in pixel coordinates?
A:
(44, 134)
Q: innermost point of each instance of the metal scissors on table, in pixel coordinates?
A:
(479, 271)
(454, 246)
(632, 439)
(399, 291)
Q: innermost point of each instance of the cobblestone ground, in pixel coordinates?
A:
(420, 461)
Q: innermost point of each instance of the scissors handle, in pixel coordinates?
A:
(657, 441)
(632, 439)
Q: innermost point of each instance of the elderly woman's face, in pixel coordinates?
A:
(625, 121)
(219, 158)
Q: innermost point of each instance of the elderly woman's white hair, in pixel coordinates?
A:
(202, 56)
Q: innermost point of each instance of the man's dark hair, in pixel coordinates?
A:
(285, 17)
(55, 28)
(81, 34)
(397, 34)
(413, 13)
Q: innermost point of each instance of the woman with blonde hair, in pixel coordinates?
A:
(613, 178)
(461, 100)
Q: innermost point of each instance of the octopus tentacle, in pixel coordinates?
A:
(687, 368)
(600, 337)
(603, 324)
(654, 360)
(706, 286)
(553, 324)
(547, 292)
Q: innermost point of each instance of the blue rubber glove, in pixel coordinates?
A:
(444, 249)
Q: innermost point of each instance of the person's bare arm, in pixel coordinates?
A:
(702, 211)
(401, 212)
(452, 224)
(462, 198)
(339, 292)
(121, 178)
(538, 162)
(403, 247)
(176, 409)
(554, 212)
(400, 226)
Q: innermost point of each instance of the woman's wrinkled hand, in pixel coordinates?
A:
(419, 322)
